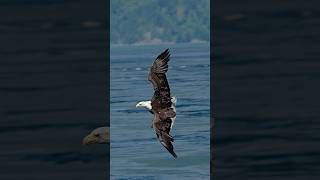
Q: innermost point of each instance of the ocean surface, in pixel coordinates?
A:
(135, 151)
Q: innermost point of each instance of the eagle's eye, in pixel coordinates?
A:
(96, 135)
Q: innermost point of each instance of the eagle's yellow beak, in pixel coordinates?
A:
(138, 105)
(89, 139)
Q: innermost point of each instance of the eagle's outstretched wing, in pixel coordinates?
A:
(162, 128)
(157, 77)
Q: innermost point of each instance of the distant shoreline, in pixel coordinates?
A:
(143, 43)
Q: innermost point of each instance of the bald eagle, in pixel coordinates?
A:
(162, 105)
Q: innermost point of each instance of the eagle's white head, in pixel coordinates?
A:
(144, 104)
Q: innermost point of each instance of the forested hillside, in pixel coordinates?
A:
(156, 21)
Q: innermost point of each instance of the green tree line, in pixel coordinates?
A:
(134, 21)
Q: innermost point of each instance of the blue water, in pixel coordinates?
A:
(135, 150)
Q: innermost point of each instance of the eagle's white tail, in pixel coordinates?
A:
(173, 106)
(174, 100)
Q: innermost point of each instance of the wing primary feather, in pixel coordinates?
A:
(160, 65)
(163, 135)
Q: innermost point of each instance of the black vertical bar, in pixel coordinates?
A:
(107, 60)
(54, 88)
(212, 95)
(266, 89)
